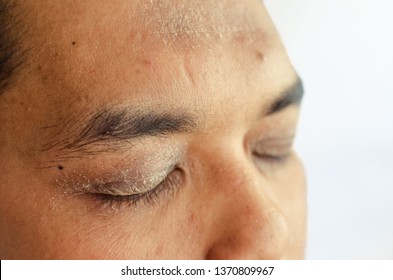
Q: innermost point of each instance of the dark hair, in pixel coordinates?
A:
(10, 54)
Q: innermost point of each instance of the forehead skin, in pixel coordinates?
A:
(87, 54)
(220, 60)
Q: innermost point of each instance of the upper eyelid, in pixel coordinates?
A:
(168, 185)
(275, 140)
(267, 146)
(118, 184)
(140, 168)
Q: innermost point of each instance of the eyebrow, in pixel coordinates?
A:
(111, 125)
(291, 96)
(126, 124)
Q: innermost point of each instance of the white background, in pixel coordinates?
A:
(343, 50)
(283, 270)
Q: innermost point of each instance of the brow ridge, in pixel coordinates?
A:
(293, 95)
(113, 124)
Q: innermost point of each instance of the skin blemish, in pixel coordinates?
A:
(73, 43)
(191, 218)
(259, 55)
(60, 167)
(146, 62)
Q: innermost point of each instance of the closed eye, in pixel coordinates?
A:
(272, 152)
(116, 200)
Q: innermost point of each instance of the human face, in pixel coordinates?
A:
(151, 130)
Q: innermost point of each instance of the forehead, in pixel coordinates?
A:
(153, 16)
(166, 53)
(88, 59)
(77, 46)
(140, 26)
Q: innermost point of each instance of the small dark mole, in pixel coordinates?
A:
(73, 43)
(260, 56)
(60, 167)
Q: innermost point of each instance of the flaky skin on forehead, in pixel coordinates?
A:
(72, 45)
(46, 28)
(148, 20)
(173, 19)
(83, 54)
(162, 16)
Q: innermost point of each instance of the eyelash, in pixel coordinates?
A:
(273, 158)
(272, 161)
(168, 185)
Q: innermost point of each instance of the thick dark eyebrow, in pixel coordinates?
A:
(293, 95)
(113, 124)
(126, 124)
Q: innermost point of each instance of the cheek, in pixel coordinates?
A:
(44, 224)
(25, 216)
(169, 232)
(289, 186)
(292, 198)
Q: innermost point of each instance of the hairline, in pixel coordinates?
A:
(11, 54)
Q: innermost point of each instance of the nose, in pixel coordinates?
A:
(248, 222)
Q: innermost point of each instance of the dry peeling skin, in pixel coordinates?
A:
(188, 24)
(127, 178)
(169, 21)
(121, 184)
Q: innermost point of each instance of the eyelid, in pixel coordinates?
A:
(167, 185)
(126, 187)
(273, 146)
(127, 184)
(271, 154)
